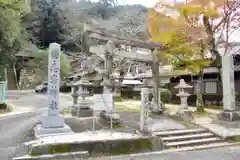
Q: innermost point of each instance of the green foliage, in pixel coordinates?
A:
(12, 35)
(165, 95)
(182, 56)
(103, 9)
(41, 61)
(46, 23)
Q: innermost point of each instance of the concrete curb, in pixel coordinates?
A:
(86, 154)
(80, 155)
(19, 113)
(14, 113)
(167, 151)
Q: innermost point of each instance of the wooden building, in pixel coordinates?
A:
(211, 86)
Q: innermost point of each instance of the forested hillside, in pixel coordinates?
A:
(62, 20)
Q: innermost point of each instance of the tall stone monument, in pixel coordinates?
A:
(53, 122)
(230, 111)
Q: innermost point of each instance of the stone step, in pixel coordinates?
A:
(192, 142)
(179, 132)
(187, 137)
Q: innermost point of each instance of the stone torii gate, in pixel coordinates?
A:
(109, 50)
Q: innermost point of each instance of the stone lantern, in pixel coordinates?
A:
(83, 107)
(182, 93)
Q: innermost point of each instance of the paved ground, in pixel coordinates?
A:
(14, 129)
(229, 153)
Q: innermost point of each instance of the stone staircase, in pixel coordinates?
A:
(197, 138)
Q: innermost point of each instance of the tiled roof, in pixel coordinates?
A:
(237, 67)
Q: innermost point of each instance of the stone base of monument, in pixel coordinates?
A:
(40, 132)
(230, 116)
(51, 125)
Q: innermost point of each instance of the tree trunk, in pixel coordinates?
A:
(16, 76)
(199, 101)
(11, 76)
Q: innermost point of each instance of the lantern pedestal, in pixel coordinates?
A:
(78, 111)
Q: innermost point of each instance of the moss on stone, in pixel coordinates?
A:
(35, 153)
(235, 139)
(143, 144)
(118, 126)
(61, 148)
(128, 147)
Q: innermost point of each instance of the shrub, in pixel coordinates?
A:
(3, 106)
(165, 95)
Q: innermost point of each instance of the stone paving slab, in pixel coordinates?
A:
(164, 125)
(220, 130)
(101, 135)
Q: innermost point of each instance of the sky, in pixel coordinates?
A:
(147, 3)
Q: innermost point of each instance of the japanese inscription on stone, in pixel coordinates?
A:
(53, 79)
(228, 82)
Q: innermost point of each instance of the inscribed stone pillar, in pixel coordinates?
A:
(228, 83)
(144, 101)
(53, 119)
(52, 122)
(229, 104)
